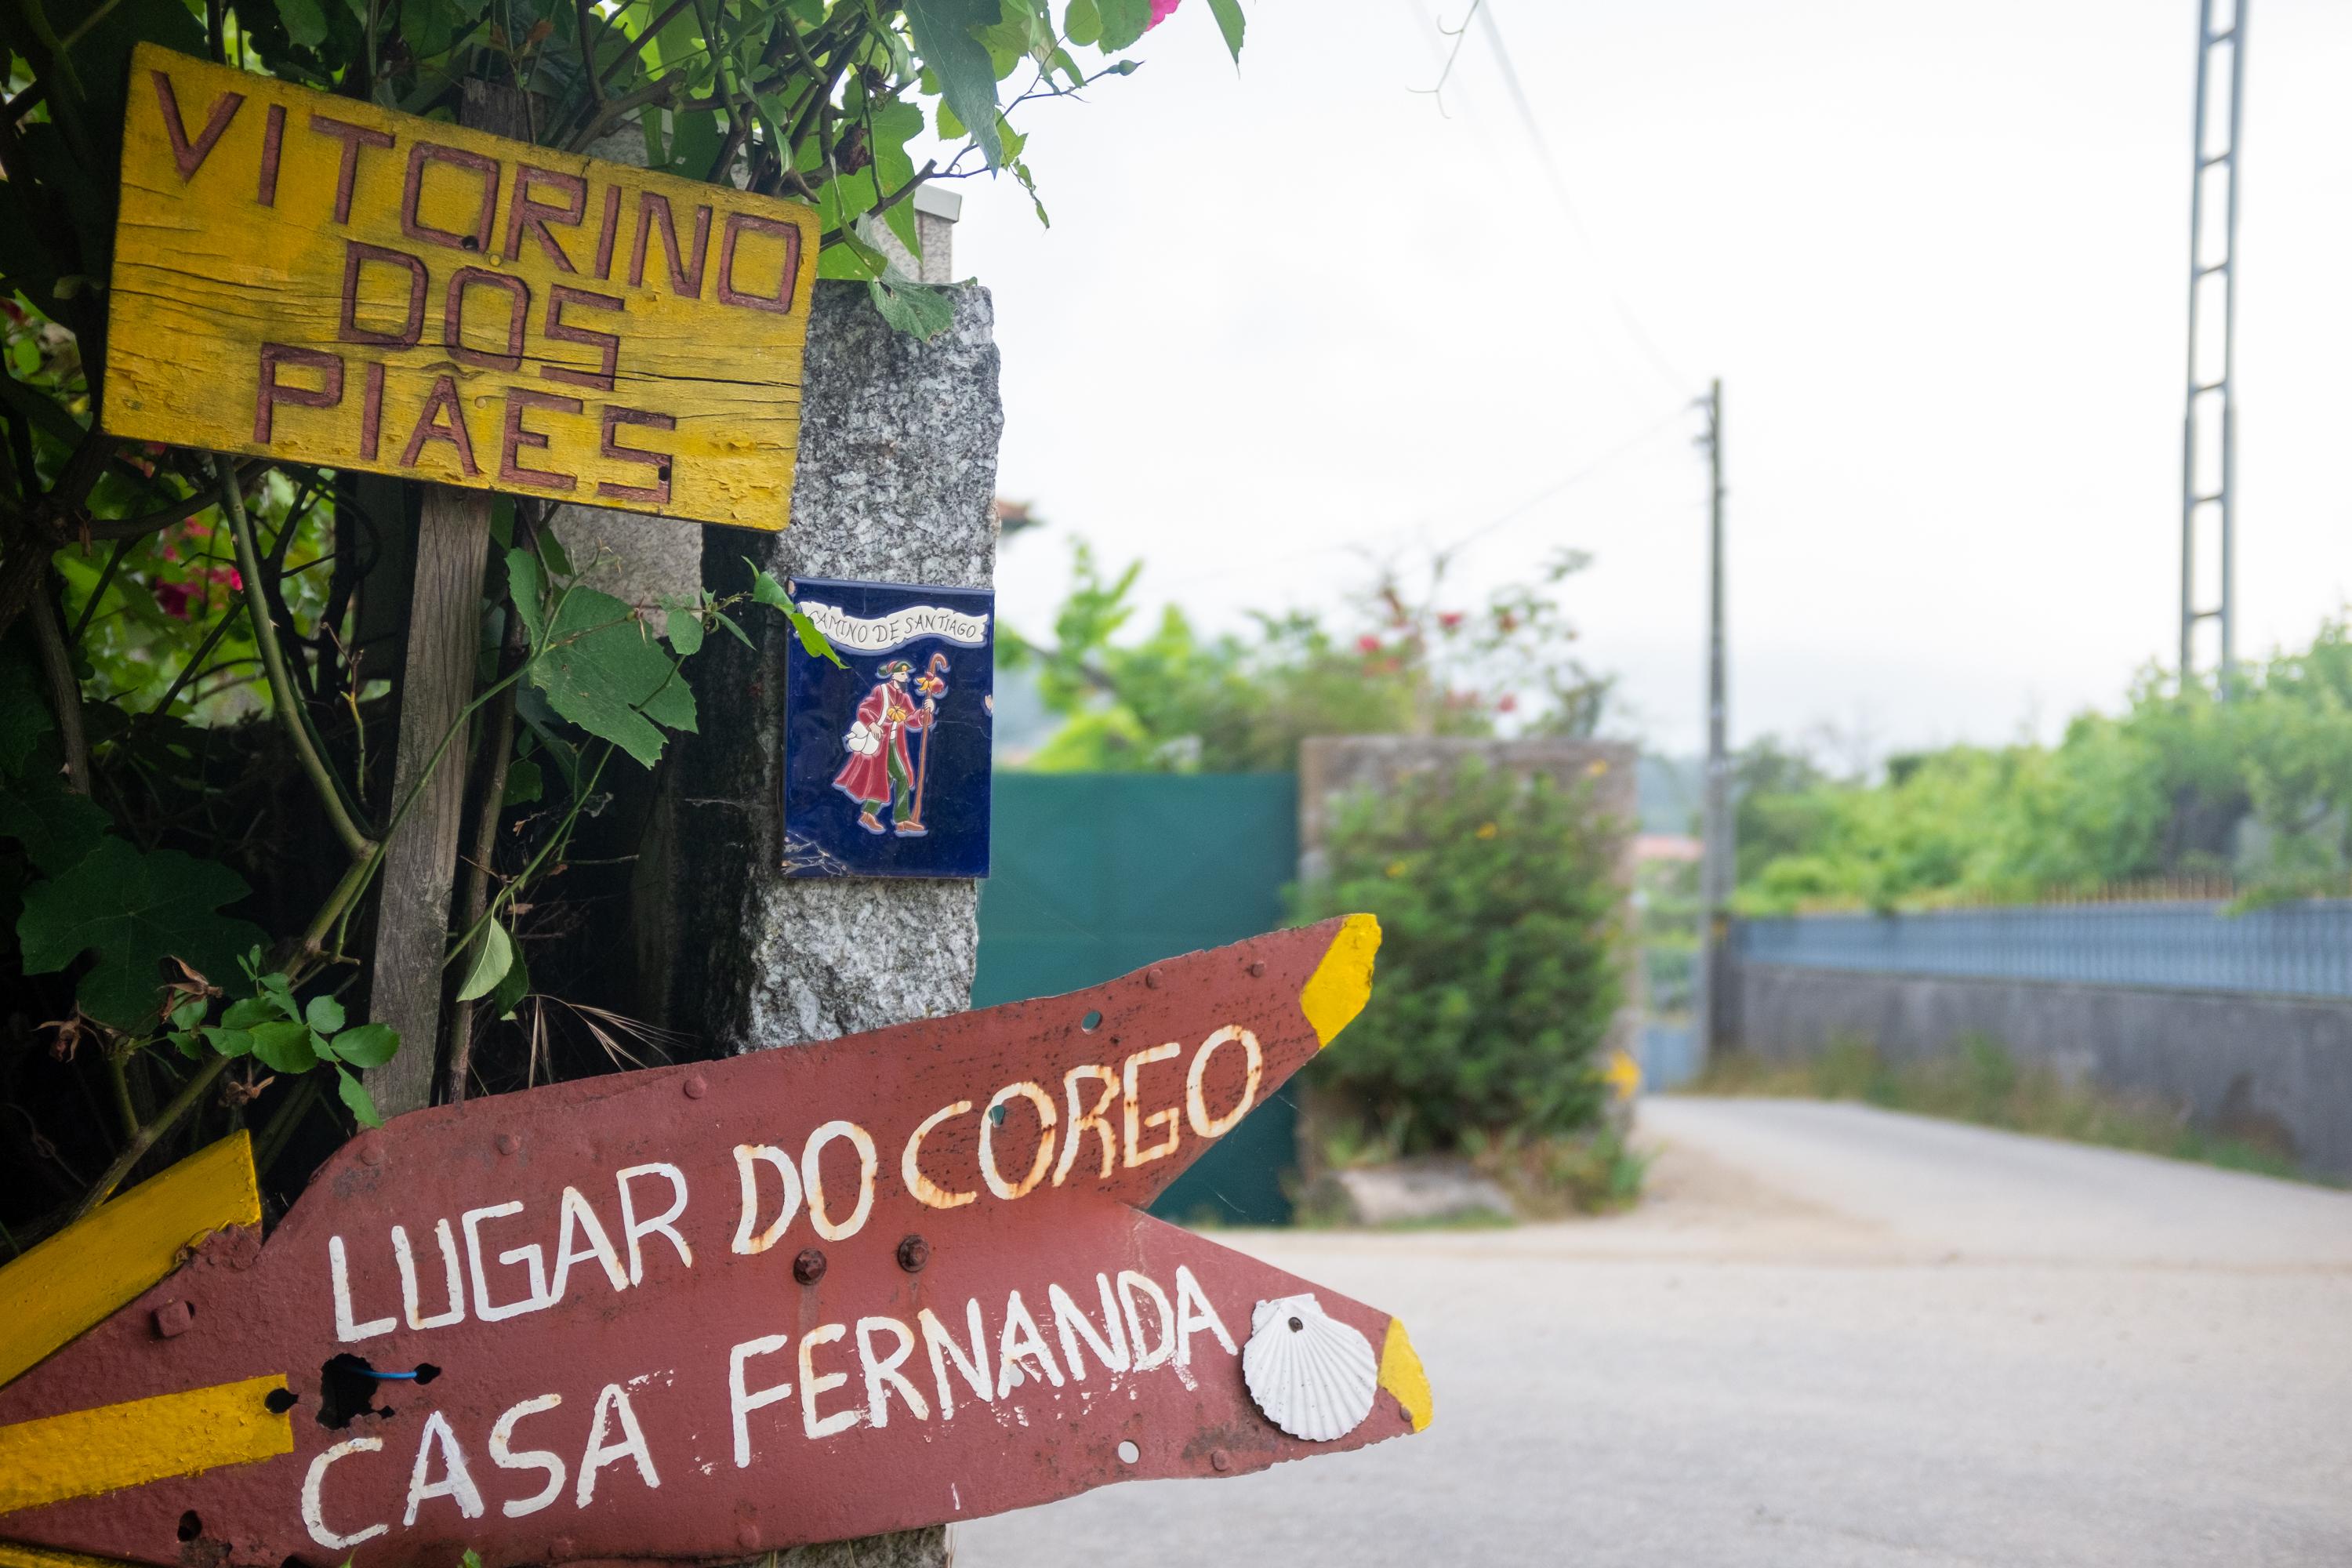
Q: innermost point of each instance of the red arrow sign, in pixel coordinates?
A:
(887, 1282)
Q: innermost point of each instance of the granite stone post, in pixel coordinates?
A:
(896, 483)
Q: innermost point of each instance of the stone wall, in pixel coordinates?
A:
(2276, 1071)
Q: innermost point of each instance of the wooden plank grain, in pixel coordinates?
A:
(312, 277)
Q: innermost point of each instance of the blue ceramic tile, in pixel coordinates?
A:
(886, 761)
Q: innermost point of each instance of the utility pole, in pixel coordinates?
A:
(1715, 864)
(2208, 430)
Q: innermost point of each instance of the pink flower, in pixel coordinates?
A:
(1449, 619)
(1368, 644)
(173, 599)
(1161, 11)
(1505, 703)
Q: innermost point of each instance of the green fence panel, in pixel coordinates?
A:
(1093, 875)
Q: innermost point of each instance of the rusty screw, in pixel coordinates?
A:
(913, 1253)
(174, 1318)
(809, 1267)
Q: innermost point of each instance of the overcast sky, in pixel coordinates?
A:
(1937, 251)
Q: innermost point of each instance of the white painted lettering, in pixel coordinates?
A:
(928, 1191)
(1136, 1121)
(506, 1457)
(1188, 1296)
(452, 1273)
(456, 1483)
(1072, 1324)
(741, 1401)
(1098, 1119)
(531, 1256)
(314, 1513)
(939, 1342)
(748, 1156)
(339, 1272)
(614, 1401)
(1196, 1105)
(1129, 1282)
(813, 1180)
(883, 1374)
(813, 1384)
(1045, 1158)
(581, 1220)
(636, 1230)
(1022, 1342)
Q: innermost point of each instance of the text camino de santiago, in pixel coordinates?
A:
(1143, 1324)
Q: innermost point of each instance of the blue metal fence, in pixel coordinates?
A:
(2302, 949)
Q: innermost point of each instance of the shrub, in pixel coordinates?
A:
(1499, 971)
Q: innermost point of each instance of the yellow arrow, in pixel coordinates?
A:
(73, 1281)
(116, 1446)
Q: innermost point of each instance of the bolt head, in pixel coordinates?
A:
(808, 1267)
(913, 1253)
(1257, 969)
(174, 1318)
(697, 1086)
(1220, 1460)
(509, 1143)
(1152, 977)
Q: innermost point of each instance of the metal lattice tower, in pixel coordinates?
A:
(2208, 443)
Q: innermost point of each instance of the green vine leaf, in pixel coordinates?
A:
(1124, 22)
(605, 673)
(493, 956)
(356, 1098)
(57, 827)
(365, 1045)
(1231, 23)
(135, 910)
(947, 42)
(917, 309)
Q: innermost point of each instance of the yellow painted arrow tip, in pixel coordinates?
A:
(1342, 982)
(1401, 1375)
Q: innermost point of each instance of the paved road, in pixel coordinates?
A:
(1830, 1336)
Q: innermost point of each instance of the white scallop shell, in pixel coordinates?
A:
(1313, 1377)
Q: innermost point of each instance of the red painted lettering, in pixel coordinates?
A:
(357, 254)
(563, 331)
(273, 142)
(608, 231)
(190, 156)
(781, 302)
(452, 317)
(616, 416)
(372, 411)
(271, 392)
(511, 473)
(347, 174)
(528, 214)
(442, 400)
(685, 274)
(413, 193)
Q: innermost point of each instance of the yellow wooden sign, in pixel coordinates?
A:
(307, 276)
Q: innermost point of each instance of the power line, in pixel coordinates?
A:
(1485, 14)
